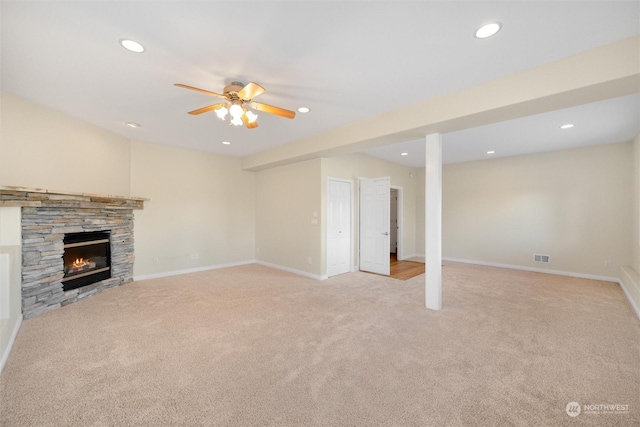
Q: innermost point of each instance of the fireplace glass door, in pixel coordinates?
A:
(87, 259)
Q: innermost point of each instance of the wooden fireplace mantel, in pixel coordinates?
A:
(39, 197)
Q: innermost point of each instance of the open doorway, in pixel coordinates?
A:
(381, 223)
(395, 223)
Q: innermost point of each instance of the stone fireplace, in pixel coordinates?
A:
(73, 245)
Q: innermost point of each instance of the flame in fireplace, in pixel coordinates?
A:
(79, 265)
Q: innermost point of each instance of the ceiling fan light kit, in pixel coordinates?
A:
(238, 98)
(221, 112)
(251, 116)
(236, 111)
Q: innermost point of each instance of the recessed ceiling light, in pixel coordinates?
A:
(226, 142)
(567, 126)
(133, 124)
(488, 30)
(132, 45)
(303, 110)
(404, 154)
(491, 152)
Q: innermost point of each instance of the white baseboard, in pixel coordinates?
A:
(233, 264)
(293, 270)
(14, 334)
(191, 270)
(534, 269)
(413, 256)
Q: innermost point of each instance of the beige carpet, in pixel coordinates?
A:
(253, 346)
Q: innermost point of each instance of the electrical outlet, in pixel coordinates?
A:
(197, 256)
(309, 260)
(155, 260)
(607, 264)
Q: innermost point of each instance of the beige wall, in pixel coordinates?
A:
(288, 196)
(201, 211)
(40, 148)
(573, 205)
(286, 199)
(353, 166)
(201, 203)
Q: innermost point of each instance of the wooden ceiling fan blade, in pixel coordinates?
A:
(207, 108)
(199, 90)
(250, 91)
(288, 114)
(251, 125)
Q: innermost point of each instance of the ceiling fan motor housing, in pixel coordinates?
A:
(231, 91)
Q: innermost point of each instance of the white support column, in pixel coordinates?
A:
(433, 222)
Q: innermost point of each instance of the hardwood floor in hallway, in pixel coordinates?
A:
(403, 270)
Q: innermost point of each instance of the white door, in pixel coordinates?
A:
(374, 225)
(338, 227)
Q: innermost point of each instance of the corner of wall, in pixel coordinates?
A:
(630, 284)
(10, 299)
(10, 279)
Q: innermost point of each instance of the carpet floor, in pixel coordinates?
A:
(253, 346)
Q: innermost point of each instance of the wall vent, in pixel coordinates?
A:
(545, 259)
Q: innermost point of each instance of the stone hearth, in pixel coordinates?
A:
(46, 217)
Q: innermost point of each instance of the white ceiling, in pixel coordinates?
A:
(610, 121)
(345, 60)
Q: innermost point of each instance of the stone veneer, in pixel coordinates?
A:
(46, 218)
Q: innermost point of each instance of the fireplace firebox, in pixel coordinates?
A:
(87, 259)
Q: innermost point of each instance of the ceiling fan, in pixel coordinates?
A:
(238, 98)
